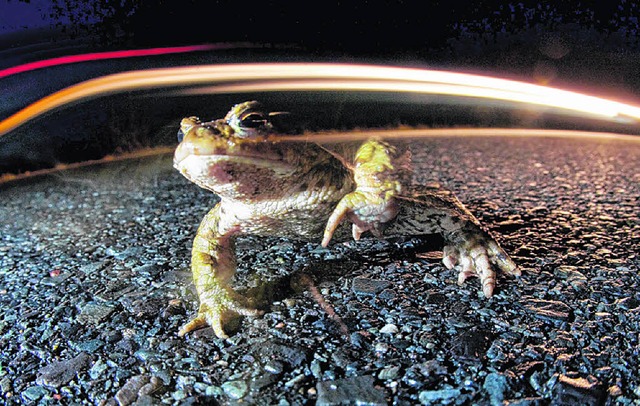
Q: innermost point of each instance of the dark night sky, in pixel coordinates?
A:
(19, 16)
(375, 26)
(582, 42)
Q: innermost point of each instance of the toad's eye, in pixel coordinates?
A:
(180, 135)
(253, 120)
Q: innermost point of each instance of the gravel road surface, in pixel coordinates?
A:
(95, 283)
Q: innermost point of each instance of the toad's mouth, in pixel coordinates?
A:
(196, 163)
(206, 166)
(226, 150)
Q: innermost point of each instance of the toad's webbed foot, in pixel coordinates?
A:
(479, 256)
(215, 309)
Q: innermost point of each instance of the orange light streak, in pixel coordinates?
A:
(326, 77)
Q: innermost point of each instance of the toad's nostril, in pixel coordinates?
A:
(180, 135)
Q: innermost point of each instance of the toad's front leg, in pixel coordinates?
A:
(213, 265)
(376, 172)
(380, 204)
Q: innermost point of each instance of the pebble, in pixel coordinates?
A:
(495, 384)
(358, 390)
(444, 396)
(60, 373)
(292, 355)
(129, 391)
(548, 309)
(574, 277)
(97, 369)
(5, 385)
(89, 346)
(390, 372)
(389, 329)
(274, 367)
(368, 286)
(94, 267)
(94, 313)
(235, 389)
(33, 393)
(578, 391)
(294, 381)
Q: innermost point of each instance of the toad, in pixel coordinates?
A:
(270, 187)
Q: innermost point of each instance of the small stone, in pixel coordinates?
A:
(615, 391)
(274, 367)
(5, 385)
(235, 389)
(33, 393)
(142, 307)
(495, 385)
(390, 372)
(61, 372)
(575, 278)
(368, 286)
(388, 294)
(578, 391)
(147, 269)
(89, 346)
(549, 309)
(184, 382)
(358, 390)
(213, 390)
(145, 355)
(627, 303)
(94, 313)
(129, 392)
(154, 385)
(389, 329)
(381, 348)
(97, 369)
(294, 381)
(179, 395)
(316, 368)
(496, 353)
(289, 354)
(94, 267)
(445, 396)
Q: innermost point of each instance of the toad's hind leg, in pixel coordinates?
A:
(467, 244)
(213, 265)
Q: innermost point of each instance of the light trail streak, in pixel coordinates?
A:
(95, 56)
(231, 78)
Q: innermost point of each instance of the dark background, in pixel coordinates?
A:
(545, 41)
(587, 46)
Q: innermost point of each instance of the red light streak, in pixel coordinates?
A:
(65, 60)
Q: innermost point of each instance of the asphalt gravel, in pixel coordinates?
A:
(95, 283)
